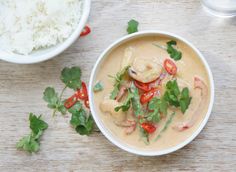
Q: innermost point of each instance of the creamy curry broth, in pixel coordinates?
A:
(188, 67)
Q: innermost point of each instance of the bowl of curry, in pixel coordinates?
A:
(151, 92)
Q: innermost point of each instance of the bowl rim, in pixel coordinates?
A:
(28, 59)
(104, 130)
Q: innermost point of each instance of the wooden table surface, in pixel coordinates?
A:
(62, 149)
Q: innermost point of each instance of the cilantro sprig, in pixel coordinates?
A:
(127, 103)
(157, 106)
(71, 77)
(81, 120)
(119, 79)
(98, 87)
(174, 53)
(132, 26)
(171, 50)
(31, 143)
(54, 102)
(177, 98)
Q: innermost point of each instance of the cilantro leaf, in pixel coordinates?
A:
(173, 87)
(31, 143)
(132, 26)
(157, 106)
(176, 98)
(61, 108)
(126, 105)
(154, 116)
(75, 108)
(71, 77)
(118, 81)
(97, 87)
(51, 97)
(174, 53)
(82, 122)
(86, 128)
(172, 93)
(54, 102)
(185, 99)
(36, 124)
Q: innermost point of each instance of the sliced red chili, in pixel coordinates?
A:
(146, 86)
(86, 103)
(70, 101)
(85, 31)
(148, 127)
(146, 97)
(142, 86)
(170, 67)
(82, 93)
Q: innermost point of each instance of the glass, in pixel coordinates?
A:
(224, 8)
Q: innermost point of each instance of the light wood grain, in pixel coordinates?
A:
(21, 88)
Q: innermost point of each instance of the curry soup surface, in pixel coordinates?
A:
(188, 67)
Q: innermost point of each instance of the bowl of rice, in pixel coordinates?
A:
(35, 31)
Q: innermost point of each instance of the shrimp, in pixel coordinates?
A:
(129, 126)
(143, 69)
(109, 105)
(198, 84)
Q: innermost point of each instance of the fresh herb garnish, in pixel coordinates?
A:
(82, 122)
(127, 103)
(176, 98)
(54, 102)
(157, 106)
(71, 77)
(97, 87)
(132, 26)
(75, 108)
(185, 99)
(119, 79)
(174, 53)
(31, 143)
(80, 119)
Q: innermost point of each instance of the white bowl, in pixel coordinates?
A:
(48, 53)
(104, 129)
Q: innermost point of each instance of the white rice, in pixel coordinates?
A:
(27, 25)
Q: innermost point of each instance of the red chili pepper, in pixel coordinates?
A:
(85, 31)
(82, 93)
(70, 101)
(146, 97)
(142, 86)
(148, 127)
(86, 103)
(146, 86)
(170, 67)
